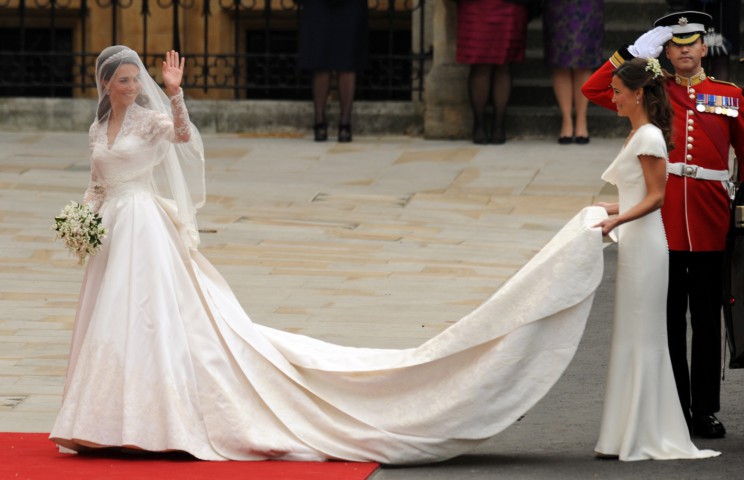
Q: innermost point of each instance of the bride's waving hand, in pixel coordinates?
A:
(173, 72)
(172, 77)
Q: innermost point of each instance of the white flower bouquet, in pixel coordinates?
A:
(80, 228)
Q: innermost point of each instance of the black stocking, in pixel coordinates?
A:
(479, 85)
(502, 84)
(346, 86)
(321, 87)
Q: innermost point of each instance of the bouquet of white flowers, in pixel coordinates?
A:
(80, 227)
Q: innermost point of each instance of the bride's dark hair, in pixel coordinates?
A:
(104, 73)
(639, 73)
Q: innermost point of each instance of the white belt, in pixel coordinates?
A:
(693, 171)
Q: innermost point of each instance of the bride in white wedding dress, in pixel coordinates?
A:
(163, 357)
(642, 416)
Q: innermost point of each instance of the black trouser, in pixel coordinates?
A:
(697, 277)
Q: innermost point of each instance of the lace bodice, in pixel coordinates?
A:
(142, 142)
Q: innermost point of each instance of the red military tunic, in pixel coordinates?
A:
(695, 211)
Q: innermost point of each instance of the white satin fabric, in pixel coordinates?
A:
(163, 357)
(642, 417)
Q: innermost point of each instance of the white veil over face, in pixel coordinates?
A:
(179, 171)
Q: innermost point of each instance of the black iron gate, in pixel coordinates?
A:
(45, 46)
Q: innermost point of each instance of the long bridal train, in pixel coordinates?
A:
(186, 369)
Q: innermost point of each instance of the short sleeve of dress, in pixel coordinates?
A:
(651, 142)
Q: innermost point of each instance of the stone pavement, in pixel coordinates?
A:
(383, 242)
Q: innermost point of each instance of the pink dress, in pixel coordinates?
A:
(490, 31)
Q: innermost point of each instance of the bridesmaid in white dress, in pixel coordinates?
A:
(642, 417)
(163, 357)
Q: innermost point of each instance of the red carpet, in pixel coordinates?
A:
(31, 456)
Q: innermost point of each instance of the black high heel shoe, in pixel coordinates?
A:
(479, 135)
(321, 131)
(344, 132)
(498, 136)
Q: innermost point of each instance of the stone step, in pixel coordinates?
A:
(293, 118)
(544, 122)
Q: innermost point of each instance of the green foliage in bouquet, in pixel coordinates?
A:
(80, 228)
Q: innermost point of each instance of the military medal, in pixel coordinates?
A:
(717, 104)
(700, 102)
(731, 106)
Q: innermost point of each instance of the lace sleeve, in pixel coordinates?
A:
(95, 193)
(181, 122)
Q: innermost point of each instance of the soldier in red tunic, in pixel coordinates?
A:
(696, 211)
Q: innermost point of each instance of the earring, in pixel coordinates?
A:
(638, 100)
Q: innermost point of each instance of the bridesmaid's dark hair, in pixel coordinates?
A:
(636, 73)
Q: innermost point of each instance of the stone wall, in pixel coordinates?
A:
(259, 117)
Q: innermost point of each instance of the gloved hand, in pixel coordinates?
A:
(651, 43)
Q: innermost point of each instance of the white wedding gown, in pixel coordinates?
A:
(163, 357)
(642, 417)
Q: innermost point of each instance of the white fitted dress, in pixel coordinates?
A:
(642, 417)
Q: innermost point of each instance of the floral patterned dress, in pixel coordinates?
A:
(573, 32)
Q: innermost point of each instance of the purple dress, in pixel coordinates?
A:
(573, 32)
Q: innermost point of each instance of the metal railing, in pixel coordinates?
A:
(234, 48)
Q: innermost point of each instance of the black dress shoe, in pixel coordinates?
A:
(321, 132)
(565, 140)
(498, 137)
(479, 135)
(707, 426)
(581, 140)
(344, 132)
